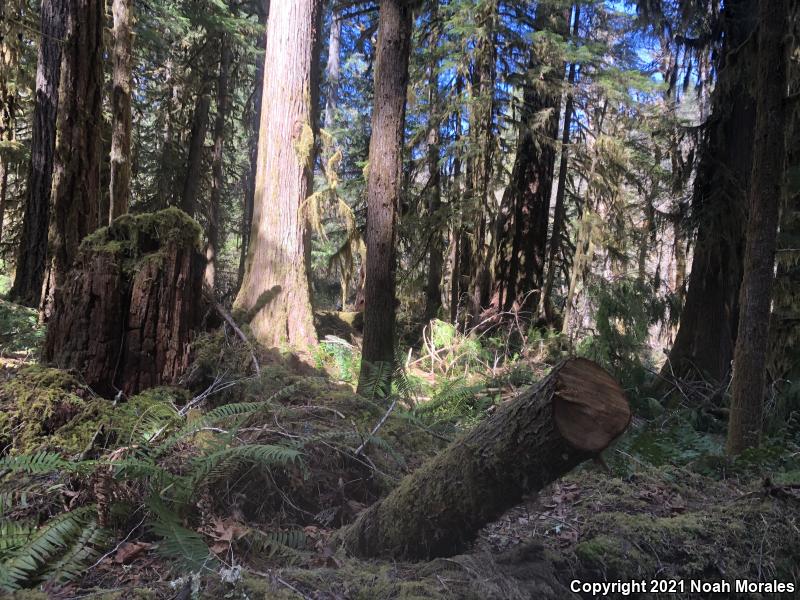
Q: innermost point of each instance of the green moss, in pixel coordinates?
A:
(138, 237)
(36, 403)
(304, 145)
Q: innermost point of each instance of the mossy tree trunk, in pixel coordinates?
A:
(384, 182)
(766, 187)
(547, 430)
(33, 252)
(279, 248)
(128, 309)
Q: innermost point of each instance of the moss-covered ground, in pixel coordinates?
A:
(168, 472)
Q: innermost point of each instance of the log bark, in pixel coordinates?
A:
(127, 311)
(569, 417)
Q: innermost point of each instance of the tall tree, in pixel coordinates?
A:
(333, 70)
(384, 182)
(526, 202)
(33, 252)
(217, 170)
(707, 330)
(559, 211)
(120, 187)
(194, 158)
(253, 119)
(433, 287)
(275, 288)
(766, 186)
(76, 167)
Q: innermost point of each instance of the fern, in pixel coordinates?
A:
(38, 463)
(285, 544)
(221, 462)
(85, 549)
(177, 541)
(14, 535)
(29, 562)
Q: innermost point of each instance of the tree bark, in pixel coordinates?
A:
(520, 260)
(570, 416)
(384, 182)
(332, 70)
(76, 168)
(766, 186)
(707, 330)
(254, 123)
(217, 171)
(433, 287)
(120, 187)
(278, 253)
(194, 160)
(33, 252)
(129, 308)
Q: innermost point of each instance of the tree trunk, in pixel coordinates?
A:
(332, 71)
(384, 183)
(217, 171)
(194, 160)
(254, 123)
(766, 186)
(477, 252)
(120, 188)
(559, 212)
(278, 253)
(519, 269)
(570, 416)
(76, 168)
(33, 251)
(707, 330)
(433, 287)
(127, 312)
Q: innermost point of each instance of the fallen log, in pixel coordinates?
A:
(570, 416)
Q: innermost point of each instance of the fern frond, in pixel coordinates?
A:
(28, 563)
(38, 463)
(285, 544)
(84, 550)
(220, 462)
(177, 541)
(14, 535)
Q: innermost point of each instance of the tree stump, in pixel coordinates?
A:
(569, 417)
(125, 316)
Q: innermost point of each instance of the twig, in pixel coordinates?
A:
(363, 445)
(239, 333)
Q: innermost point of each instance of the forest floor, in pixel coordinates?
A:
(234, 487)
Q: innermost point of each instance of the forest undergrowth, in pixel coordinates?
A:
(234, 484)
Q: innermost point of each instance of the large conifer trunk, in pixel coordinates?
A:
(120, 186)
(32, 257)
(707, 331)
(769, 155)
(76, 167)
(127, 311)
(570, 416)
(279, 248)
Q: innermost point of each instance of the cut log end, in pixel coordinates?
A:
(589, 407)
